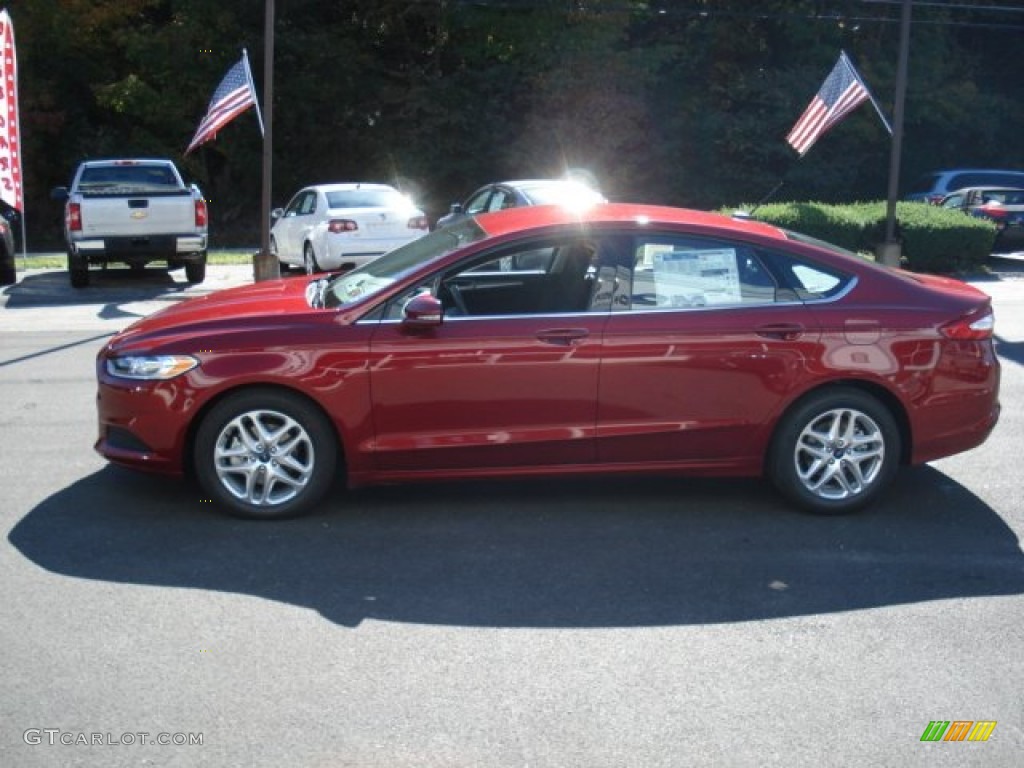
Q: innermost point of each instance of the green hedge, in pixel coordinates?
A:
(933, 239)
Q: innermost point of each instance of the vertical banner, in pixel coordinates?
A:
(10, 140)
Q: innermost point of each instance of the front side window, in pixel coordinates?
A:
(986, 178)
(478, 202)
(299, 204)
(546, 276)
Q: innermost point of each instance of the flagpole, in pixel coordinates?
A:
(252, 89)
(265, 266)
(890, 249)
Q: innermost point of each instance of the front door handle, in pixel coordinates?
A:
(565, 337)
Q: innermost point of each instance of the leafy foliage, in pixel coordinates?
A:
(684, 102)
(933, 239)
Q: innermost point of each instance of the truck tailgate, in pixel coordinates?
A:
(147, 215)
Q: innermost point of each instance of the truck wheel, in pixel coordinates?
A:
(195, 271)
(78, 270)
(8, 272)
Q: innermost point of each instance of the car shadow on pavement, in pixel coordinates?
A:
(1010, 350)
(110, 287)
(551, 553)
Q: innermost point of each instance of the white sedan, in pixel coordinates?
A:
(330, 227)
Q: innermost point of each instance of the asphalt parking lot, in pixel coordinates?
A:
(585, 624)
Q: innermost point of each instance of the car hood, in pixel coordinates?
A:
(219, 311)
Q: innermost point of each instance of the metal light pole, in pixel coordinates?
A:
(265, 266)
(889, 251)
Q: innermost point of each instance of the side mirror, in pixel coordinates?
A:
(423, 311)
(276, 214)
(60, 194)
(456, 208)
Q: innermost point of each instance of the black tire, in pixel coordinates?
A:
(195, 271)
(299, 464)
(282, 267)
(309, 260)
(78, 271)
(8, 271)
(835, 451)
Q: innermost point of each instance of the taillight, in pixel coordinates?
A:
(972, 327)
(337, 226)
(202, 215)
(995, 212)
(419, 222)
(73, 217)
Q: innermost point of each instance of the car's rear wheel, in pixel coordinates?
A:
(195, 271)
(309, 259)
(835, 451)
(8, 272)
(78, 271)
(265, 454)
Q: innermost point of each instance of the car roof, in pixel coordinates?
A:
(537, 216)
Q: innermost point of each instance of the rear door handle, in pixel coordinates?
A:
(784, 331)
(565, 337)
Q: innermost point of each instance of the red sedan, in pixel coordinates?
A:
(540, 341)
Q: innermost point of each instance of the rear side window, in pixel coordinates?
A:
(986, 179)
(808, 281)
(679, 272)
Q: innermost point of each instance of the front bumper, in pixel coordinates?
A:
(142, 424)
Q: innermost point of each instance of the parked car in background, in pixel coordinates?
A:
(541, 341)
(516, 194)
(133, 211)
(342, 226)
(1003, 206)
(8, 272)
(934, 186)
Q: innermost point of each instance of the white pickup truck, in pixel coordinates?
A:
(133, 211)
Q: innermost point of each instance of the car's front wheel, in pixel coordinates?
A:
(265, 454)
(835, 451)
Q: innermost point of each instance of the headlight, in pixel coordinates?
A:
(150, 367)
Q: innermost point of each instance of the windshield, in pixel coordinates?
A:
(126, 179)
(563, 192)
(374, 277)
(367, 198)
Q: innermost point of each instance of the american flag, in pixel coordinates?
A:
(233, 96)
(840, 94)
